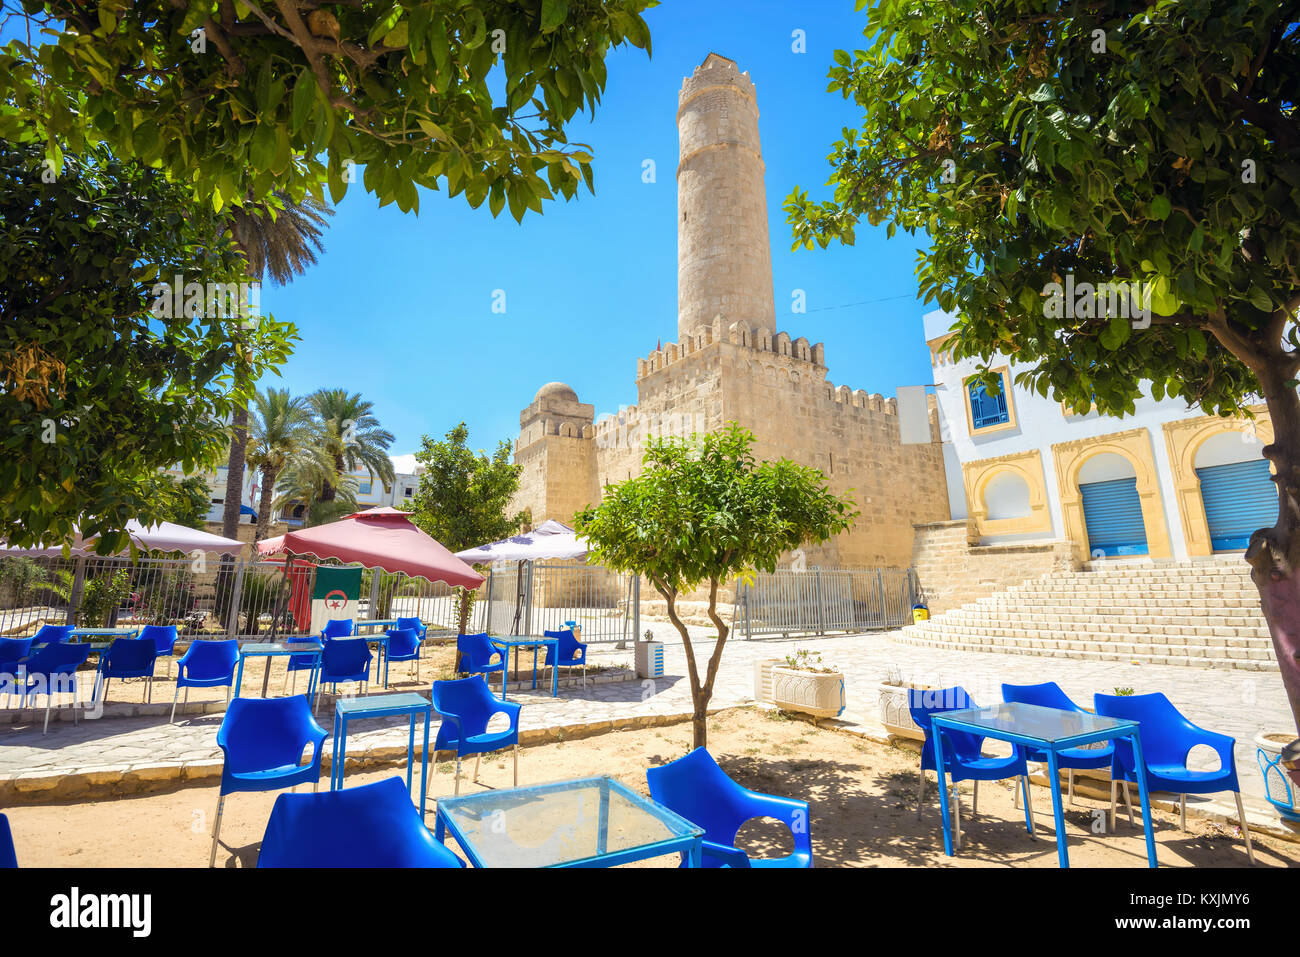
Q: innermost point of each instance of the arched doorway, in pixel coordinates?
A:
(1112, 509)
(1237, 492)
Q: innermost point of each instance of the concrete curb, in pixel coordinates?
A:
(145, 778)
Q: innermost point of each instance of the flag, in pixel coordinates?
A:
(335, 595)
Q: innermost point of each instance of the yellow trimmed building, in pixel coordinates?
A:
(1167, 482)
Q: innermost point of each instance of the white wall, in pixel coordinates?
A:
(1040, 424)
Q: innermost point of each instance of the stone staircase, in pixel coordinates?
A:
(1202, 614)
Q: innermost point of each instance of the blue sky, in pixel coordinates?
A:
(399, 306)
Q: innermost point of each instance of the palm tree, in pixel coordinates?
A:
(352, 437)
(281, 238)
(283, 431)
(303, 482)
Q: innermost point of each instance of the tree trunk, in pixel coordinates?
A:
(264, 504)
(699, 696)
(1274, 553)
(235, 473)
(464, 600)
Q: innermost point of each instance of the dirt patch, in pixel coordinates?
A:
(863, 798)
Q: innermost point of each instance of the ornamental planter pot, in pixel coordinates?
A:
(816, 693)
(1281, 784)
(895, 714)
(763, 678)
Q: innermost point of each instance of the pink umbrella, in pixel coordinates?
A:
(378, 538)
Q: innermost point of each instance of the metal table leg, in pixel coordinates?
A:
(1145, 796)
(1054, 776)
(937, 735)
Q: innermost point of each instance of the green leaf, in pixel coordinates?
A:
(304, 98)
(1160, 207)
(397, 38)
(553, 14)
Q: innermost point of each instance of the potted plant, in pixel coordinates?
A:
(648, 655)
(895, 714)
(1279, 760)
(802, 683)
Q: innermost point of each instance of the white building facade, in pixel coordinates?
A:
(371, 493)
(1166, 482)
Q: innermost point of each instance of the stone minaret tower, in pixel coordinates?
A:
(724, 260)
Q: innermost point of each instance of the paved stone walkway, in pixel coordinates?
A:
(1235, 703)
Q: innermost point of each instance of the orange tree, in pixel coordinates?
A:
(1113, 141)
(243, 99)
(701, 512)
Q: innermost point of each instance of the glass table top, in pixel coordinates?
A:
(560, 823)
(1033, 721)
(274, 647)
(513, 640)
(380, 702)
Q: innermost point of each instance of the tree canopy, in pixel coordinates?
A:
(99, 387)
(463, 498)
(701, 512)
(1061, 157)
(238, 99)
(1103, 141)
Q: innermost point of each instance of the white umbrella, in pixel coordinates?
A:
(551, 539)
(165, 537)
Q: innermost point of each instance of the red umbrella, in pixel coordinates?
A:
(378, 538)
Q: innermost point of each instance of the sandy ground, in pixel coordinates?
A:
(863, 798)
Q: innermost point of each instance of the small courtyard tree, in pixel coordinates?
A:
(463, 498)
(702, 512)
(1098, 144)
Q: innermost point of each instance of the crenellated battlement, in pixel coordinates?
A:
(715, 70)
(758, 339)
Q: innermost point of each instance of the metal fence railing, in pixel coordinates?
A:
(535, 597)
(821, 600)
(205, 596)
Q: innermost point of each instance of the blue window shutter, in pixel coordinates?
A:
(985, 409)
(1239, 498)
(1113, 513)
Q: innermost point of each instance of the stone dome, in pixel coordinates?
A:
(556, 390)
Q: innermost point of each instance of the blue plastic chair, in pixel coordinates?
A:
(164, 636)
(1167, 738)
(404, 645)
(54, 669)
(8, 856)
(337, 628)
(373, 825)
(12, 652)
(700, 791)
(415, 623)
(475, 654)
(466, 705)
(572, 652)
(206, 664)
(1049, 695)
(962, 751)
(128, 658)
(344, 660)
(262, 740)
(51, 634)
